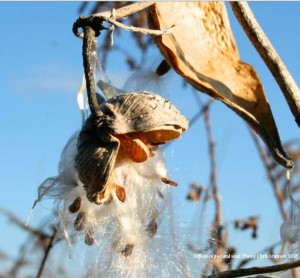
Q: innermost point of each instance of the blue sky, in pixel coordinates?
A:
(41, 71)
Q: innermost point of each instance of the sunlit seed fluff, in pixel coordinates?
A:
(124, 233)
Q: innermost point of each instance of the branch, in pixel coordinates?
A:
(108, 16)
(203, 109)
(268, 167)
(126, 10)
(271, 58)
(46, 254)
(140, 30)
(14, 219)
(255, 270)
(213, 173)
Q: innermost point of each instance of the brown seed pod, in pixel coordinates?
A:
(131, 123)
(207, 57)
(145, 112)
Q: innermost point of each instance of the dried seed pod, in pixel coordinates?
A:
(145, 112)
(95, 158)
(208, 59)
(80, 221)
(75, 206)
(130, 123)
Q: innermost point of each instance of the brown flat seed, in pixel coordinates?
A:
(166, 181)
(89, 238)
(160, 194)
(75, 206)
(127, 251)
(80, 221)
(121, 193)
(152, 228)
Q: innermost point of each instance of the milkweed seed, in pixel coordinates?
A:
(152, 228)
(127, 251)
(75, 206)
(80, 221)
(166, 181)
(121, 193)
(89, 238)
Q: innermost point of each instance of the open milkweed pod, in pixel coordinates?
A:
(131, 123)
(201, 48)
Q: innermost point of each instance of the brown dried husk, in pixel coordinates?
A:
(145, 112)
(201, 48)
(95, 158)
(132, 113)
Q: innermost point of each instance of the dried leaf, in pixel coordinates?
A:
(201, 48)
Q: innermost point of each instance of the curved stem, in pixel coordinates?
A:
(89, 35)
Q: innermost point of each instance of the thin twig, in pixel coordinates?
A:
(255, 270)
(263, 251)
(217, 236)
(14, 219)
(139, 29)
(46, 254)
(108, 16)
(126, 10)
(267, 52)
(268, 167)
(199, 114)
(213, 173)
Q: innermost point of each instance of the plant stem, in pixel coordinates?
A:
(269, 55)
(46, 254)
(255, 270)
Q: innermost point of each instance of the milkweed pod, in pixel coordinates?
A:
(95, 159)
(201, 48)
(145, 112)
(145, 118)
